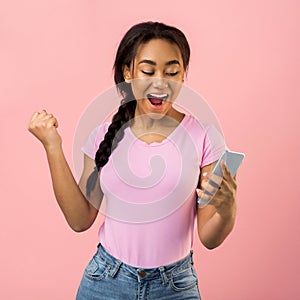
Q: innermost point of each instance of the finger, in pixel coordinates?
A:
(56, 124)
(44, 117)
(202, 201)
(33, 121)
(34, 116)
(48, 115)
(211, 187)
(204, 175)
(43, 112)
(203, 196)
(226, 172)
(216, 179)
(228, 177)
(52, 123)
(203, 183)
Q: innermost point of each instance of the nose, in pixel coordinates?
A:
(160, 82)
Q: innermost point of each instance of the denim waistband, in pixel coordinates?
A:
(140, 273)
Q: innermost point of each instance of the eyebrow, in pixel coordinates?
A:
(151, 62)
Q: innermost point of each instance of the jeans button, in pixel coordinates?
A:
(142, 273)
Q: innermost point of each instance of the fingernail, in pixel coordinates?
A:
(204, 174)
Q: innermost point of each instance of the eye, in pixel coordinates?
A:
(148, 73)
(172, 74)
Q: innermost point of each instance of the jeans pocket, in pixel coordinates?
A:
(96, 269)
(184, 279)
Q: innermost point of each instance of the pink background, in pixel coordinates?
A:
(58, 55)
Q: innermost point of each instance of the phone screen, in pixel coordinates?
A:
(232, 160)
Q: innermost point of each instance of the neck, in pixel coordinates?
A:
(152, 122)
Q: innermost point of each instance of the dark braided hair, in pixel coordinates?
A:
(138, 34)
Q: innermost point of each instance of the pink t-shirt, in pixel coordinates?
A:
(149, 191)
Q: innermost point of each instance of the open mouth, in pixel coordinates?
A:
(157, 99)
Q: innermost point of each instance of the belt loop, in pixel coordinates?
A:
(114, 270)
(163, 275)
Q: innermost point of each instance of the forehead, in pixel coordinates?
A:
(159, 51)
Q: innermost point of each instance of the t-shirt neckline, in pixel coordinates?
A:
(165, 140)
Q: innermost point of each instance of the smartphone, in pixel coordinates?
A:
(232, 160)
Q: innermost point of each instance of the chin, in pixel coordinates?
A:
(156, 115)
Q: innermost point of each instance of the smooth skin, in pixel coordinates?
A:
(78, 211)
(151, 64)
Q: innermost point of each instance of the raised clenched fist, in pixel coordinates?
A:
(44, 127)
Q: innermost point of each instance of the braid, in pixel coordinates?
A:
(113, 136)
(115, 132)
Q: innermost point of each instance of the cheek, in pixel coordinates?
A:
(175, 87)
(139, 87)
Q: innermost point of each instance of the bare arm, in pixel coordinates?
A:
(216, 220)
(78, 211)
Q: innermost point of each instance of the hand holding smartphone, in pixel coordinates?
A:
(232, 160)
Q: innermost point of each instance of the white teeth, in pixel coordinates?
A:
(159, 96)
(163, 97)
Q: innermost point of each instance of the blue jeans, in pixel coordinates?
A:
(108, 278)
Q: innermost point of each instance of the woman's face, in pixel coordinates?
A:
(156, 76)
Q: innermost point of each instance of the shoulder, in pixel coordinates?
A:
(205, 134)
(100, 130)
(103, 126)
(204, 127)
(94, 139)
(200, 128)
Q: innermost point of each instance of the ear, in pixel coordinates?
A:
(126, 74)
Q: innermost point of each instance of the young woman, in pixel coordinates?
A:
(145, 251)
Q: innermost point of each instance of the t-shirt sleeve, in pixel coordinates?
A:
(94, 139)
(213, 145)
